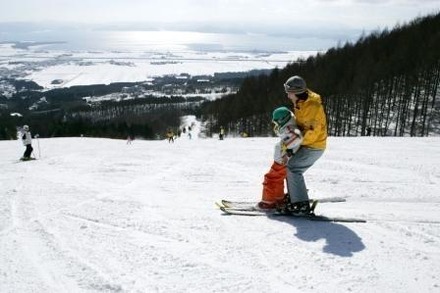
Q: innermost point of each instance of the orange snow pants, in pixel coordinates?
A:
(273, 185)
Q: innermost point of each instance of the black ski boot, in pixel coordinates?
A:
(282, 207)
(301, 208)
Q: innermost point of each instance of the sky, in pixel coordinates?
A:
(252, 15)
(101, 215)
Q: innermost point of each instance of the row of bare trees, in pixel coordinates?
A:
(387, 83)
(399, 106)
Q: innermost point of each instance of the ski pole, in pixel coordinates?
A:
(38, 144)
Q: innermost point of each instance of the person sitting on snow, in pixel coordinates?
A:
(290, 140)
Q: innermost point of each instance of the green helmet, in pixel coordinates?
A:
(281, 116)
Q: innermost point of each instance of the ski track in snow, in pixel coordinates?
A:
(98, 215)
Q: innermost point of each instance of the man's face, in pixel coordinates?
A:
(292, 97)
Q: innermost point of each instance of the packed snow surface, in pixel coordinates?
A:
(102, 215)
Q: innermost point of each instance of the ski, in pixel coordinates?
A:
(274, 213)
(254, 207)
(250, 204)
(21, 160)
(27, 159)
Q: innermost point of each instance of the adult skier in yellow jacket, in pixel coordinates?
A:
(311, 120)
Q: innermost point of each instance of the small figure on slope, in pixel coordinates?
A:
(222, 133)
(26, 138)
(170, 136)
(285, 127)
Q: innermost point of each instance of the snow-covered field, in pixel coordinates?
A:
(72, 68)
(101, 215)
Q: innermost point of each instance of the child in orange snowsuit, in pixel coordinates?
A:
(290, 141)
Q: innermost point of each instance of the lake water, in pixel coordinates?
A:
(135, 41)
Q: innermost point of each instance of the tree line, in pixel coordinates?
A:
(147, 118)
(386, 83)
(130, 109)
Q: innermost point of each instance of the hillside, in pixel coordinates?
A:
(388, 81)
(100, 215)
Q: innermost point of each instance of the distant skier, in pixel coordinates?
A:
(26, 138)
(290, 140)
(368, 131)
(170, 136)
(222, 133)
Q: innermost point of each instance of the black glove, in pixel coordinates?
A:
(289, 152)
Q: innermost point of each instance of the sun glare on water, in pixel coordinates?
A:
(156, 40)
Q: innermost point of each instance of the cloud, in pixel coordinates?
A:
(238, 14)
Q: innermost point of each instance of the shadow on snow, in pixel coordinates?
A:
(339, 239)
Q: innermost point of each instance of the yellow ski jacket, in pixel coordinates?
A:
(312, 121)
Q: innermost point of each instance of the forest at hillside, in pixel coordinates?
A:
(116, 110)
(385, 84)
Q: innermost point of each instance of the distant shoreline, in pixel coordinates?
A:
(25, 45)
(54, 68)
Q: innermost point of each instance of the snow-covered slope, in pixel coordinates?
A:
(101, 215)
